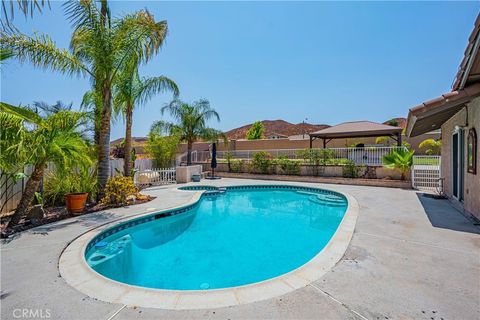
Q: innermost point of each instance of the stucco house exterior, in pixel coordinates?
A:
(458, 114)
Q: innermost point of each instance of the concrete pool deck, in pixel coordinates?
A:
(410, 257)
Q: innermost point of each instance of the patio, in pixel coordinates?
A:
(410, 257)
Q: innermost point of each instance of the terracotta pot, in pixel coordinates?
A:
(76, 202)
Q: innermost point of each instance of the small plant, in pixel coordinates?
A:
(401, 159)
(118, 190)
(288, 166)
(351, 170)
(236, 165)
(262, 162)
(58, 183)
(229, 157)
(39, 199)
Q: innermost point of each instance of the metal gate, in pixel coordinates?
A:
(426, 173)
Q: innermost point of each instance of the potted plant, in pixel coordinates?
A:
(73, 187)
(75, 202)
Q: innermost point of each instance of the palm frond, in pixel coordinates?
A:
(41, 51)
(21, 112)
(155, 85)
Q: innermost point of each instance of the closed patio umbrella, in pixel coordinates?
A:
(213, 164)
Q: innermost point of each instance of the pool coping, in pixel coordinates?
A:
(78, 274)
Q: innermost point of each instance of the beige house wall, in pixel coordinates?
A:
(471, 202)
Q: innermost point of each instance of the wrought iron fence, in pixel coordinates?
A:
(360, 156)
(426, 173)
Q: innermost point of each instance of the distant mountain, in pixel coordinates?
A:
(277, 126)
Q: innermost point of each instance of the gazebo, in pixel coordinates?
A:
(357, 129)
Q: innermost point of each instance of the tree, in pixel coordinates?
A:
(384, 140)
(256, 131)
(431, 146)
(130, 91)
(27, 137)
(393, 122)
(100, 49)
(162, 149)
(401, 159)
(190, 123)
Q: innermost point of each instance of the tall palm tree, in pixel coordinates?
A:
(190, 123)
(130, 91)
(100, 48)
(27, 137)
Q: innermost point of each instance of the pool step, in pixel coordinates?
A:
(108, 250)
(324, 198)
(217, 192)
(326, 203)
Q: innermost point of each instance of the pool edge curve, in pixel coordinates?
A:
(77, 273)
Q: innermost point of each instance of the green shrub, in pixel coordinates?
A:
(118, 190)
(325, 156)
(236, 165)
(303, 154)
(162, 149)
(58, 183)
(262, 162)
(351, 170)
(288, 166)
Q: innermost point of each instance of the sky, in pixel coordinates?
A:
(329, 62)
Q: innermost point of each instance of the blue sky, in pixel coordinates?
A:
(326, 61)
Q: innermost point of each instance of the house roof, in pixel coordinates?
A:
(431, 114)
(356, 129)
(277, 134)
(469, 69)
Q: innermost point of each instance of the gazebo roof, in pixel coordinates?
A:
(357, 129)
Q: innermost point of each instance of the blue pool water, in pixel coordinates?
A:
(231, 239)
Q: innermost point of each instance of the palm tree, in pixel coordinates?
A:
(131, 90)
(27, 137)
(100, 49)
(190, 123)
(401, 159)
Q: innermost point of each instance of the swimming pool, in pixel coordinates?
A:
(229, 238)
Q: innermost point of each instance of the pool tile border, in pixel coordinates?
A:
(76, 272)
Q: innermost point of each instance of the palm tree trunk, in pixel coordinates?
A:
(28, 195)
(104, 142)
(189, 153)
(128, 140)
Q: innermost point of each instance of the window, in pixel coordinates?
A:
(472, 151)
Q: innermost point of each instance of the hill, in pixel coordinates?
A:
(277, 126)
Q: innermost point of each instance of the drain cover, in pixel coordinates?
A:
(204, 286)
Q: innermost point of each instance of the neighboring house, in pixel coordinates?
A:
(458, 114)
(275, 136)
